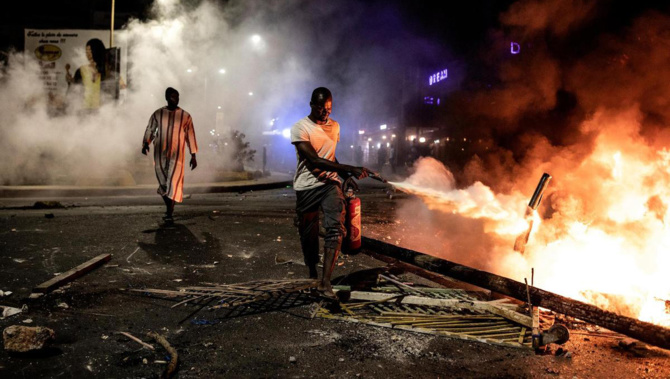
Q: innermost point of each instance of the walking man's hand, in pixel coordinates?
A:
(194, 163)
(145, 148)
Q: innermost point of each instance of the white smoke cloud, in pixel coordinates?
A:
(216, 56)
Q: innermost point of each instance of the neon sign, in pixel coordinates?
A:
(438, 77)
(514, 48)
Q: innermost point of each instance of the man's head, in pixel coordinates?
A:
(321, 104)
(172, 97)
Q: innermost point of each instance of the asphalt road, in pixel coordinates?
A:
(231, 238)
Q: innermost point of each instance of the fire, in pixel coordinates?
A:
(603, 236)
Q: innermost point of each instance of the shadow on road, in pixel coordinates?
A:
(176, 244)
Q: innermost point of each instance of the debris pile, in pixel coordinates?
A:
(439, 311)
(231, 295)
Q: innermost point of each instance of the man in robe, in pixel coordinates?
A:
(170, 128)
(318, 185)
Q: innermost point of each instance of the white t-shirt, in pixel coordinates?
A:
(324, 139)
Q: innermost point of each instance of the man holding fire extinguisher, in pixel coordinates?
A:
(318, 185)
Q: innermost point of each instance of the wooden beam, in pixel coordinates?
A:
(487, 306)
(72, 274)
(644, 331)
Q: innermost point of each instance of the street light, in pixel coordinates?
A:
(382, 127)
(256, 39)
(251, 93)
(222, 71)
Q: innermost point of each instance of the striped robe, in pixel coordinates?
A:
(170, 131)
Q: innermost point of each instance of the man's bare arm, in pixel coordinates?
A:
(307, 152)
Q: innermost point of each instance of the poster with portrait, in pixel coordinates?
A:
(78, 69)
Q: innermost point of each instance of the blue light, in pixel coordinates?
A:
(514, 48)
(438, 77)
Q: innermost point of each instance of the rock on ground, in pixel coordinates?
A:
(22, 339)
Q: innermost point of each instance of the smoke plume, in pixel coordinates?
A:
(590, 107)
(239, 65)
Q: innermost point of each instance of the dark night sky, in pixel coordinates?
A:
(460, 24)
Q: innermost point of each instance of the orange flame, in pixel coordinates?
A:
(606, 239)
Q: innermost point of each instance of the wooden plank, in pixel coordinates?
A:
(494, 341)
(72, 274)
(494, 308)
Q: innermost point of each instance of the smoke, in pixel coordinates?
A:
(558, 17)
(472, 225)
(590, 107)
(239, 65)
(567, 72)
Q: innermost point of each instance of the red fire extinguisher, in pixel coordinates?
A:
(352, 242)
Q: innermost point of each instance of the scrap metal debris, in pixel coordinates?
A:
(391, 303)
(438, 311)
(232, 295)
(644, 331)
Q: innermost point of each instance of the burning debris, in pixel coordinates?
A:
(522, 239)
(618, 223)
(644, 331)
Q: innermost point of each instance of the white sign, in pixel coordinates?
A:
(60, 52)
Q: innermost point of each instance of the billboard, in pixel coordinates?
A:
(78, 69)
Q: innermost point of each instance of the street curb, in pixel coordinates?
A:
(74, 191)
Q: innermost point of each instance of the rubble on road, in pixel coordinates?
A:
(438, 311)
(68, 276)
(8, 311)
(231, 295)
(390, 303)
(23, 339)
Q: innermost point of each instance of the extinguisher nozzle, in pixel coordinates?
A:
(376, 176)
